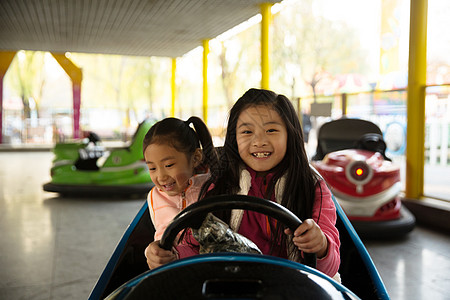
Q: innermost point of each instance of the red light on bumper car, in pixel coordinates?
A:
(359, 172)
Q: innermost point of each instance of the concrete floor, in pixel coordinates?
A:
(56, 248)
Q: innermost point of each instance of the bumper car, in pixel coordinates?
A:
(85, 167)
(351, 158)
(226, 275)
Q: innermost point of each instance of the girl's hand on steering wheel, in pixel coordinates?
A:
(309, 238)
(157, 256)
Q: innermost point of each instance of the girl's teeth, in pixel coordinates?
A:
(261, 154)
(168, 186)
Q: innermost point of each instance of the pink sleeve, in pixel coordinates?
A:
(188, 247)
(324, 213)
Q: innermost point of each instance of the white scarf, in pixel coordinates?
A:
(237, 214)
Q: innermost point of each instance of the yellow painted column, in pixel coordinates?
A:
(205, 80)
(76, 76)
(417, 69)
(6, 58)
(173, 86)
(265, 44)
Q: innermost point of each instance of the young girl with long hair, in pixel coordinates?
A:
(264, 156)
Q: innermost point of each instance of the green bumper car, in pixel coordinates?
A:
(87, 168)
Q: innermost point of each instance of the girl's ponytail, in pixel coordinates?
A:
(210, 159)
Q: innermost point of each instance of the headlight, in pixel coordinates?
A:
(359, 173)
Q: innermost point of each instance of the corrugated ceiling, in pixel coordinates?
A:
(127, 27)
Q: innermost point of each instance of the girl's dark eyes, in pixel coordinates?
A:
(165, 166)
(250, 132)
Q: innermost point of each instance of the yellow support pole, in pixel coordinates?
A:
(6, 58)
(344, 104)
(205, 80)
(76, 75)
(173, 86)
(417, 69)
(265, 44)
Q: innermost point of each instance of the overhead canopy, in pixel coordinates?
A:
(168, 28)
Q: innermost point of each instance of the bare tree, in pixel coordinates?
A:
(314, 44)
(27, 80)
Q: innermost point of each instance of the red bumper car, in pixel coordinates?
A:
(351, 158)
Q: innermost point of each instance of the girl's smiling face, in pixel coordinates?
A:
(170, 169)
(261, 137)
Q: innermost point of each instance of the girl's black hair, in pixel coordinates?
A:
(299, 191)
(180, 135)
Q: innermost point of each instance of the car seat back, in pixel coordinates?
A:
(342, 134)
(127, 155)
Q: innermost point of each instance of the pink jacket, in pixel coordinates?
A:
(324, 214)
(163, 208)
(246, 223)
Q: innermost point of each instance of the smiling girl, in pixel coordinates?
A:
(264, 156)
(179, 159)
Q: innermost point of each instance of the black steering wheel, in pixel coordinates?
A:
(193, 217)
